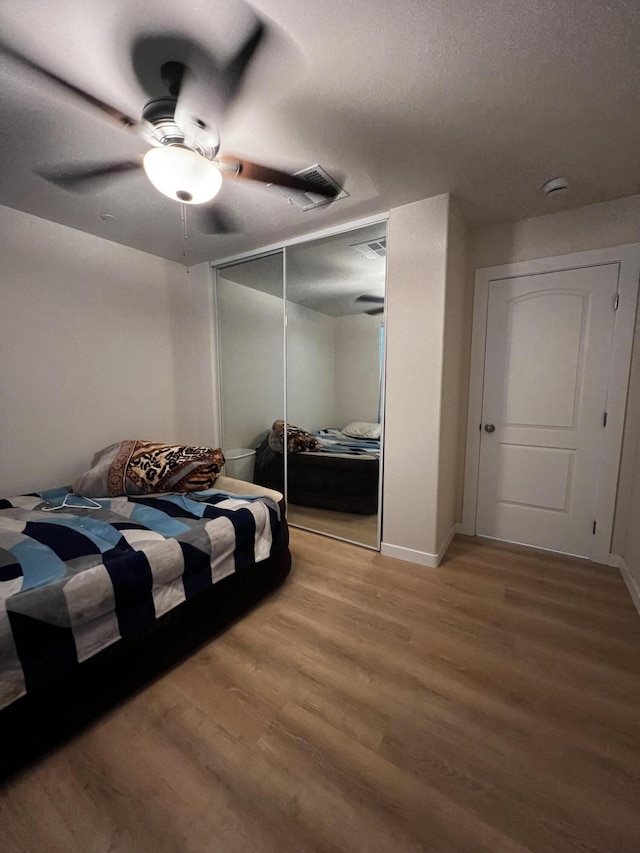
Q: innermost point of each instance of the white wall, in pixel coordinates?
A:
(626, 533)
(416, 277)
(357, 358)
(426, 378)
(630, 549)
(87, 347)
(455, 376)
(597, 226)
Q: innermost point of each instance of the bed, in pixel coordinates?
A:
(96, 596)
(337, 470)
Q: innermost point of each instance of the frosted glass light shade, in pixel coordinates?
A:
(182, 174)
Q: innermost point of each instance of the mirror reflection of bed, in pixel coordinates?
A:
(331, 356)
(341, 497)
(332, 477)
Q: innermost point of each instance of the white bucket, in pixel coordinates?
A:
(239, 463)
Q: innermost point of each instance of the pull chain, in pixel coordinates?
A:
(185, 234)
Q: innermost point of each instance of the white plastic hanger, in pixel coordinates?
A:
(67, 505)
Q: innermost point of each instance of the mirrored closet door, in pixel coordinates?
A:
(301, 341)
(250, 312)
(335, 344)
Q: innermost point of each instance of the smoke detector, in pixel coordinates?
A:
(309, 200)
(556, 186)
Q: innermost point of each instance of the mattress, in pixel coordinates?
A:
(338, 481)
(77, 576)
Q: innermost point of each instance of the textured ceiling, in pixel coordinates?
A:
(484, 99)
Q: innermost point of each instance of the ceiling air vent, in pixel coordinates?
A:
(308, 200)
(372, 249)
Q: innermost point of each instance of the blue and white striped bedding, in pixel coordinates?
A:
(75, 579)
(335, 441)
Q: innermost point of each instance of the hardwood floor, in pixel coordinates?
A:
(371, 705)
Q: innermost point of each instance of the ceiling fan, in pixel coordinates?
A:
(184, 161)
(375, 300)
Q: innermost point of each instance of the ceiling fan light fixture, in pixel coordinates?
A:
(182, 175)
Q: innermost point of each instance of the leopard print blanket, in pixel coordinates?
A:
(135, 467)
(298, 440)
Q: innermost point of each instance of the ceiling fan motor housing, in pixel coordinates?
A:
(159, 110)
(160, 114)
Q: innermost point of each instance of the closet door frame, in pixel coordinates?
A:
(219, 265)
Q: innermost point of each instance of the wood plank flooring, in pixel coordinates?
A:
(371, 705)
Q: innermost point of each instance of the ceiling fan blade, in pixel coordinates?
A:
(375, 311)
(367, 297)
(235, 168)
(88, 177)
(188, 115)
(235, 69)
(214, 219)
(120, 118)
(218, 83)
(209, 82)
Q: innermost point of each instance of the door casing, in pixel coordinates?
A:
(628, 256)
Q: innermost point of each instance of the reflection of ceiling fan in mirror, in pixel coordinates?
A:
(184, 162)
(374, 300)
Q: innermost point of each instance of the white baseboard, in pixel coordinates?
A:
(614, 560)
(633, 583)
(422, 558)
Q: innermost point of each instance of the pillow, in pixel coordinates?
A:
(361, 429)
(135, 467)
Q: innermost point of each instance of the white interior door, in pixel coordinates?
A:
(548, 351)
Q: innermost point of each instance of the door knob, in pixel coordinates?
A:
(489, 428)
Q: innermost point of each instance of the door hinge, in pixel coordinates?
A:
(604, 420)
(594, 528)
(616, 301)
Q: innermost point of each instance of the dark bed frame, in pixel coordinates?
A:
(45, 717)
(326, 481)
